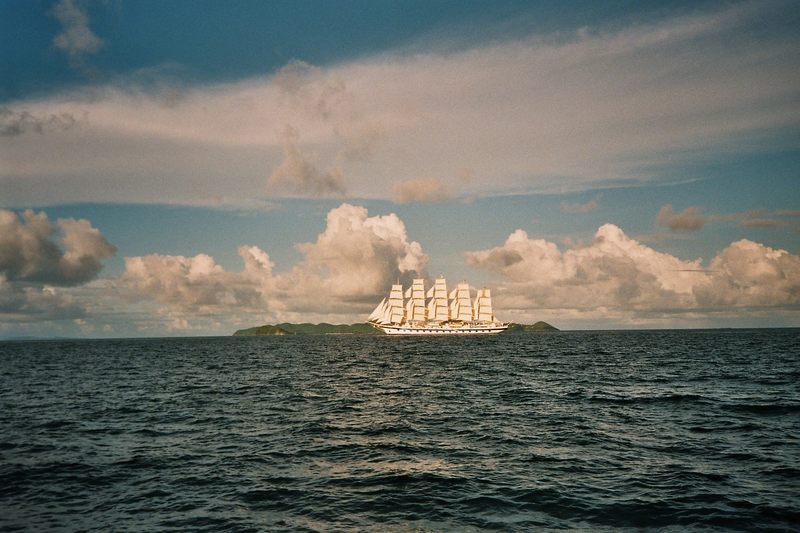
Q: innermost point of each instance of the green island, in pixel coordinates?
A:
(356, 329)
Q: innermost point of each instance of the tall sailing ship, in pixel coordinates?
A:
(435, 312)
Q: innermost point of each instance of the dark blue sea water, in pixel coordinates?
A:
(589, 430)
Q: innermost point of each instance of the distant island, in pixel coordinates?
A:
(524, 328)
(356, 329)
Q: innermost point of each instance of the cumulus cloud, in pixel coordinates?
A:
(300, 175)
(356, 258)
(690, 219)
(587, 207)
(76, 38)
(199, 285)
(34, 265)
(13, 123)
(420, 190)
(28, 252)
(749, 274)
(566, 111)
(343, 272)
(618, 274)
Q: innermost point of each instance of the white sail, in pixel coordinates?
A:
(431, 305)
(463, 303)
(482, 308)
(378, 312)
(409, 308)
(441, 311)
(418, 297)
(396, 314)
(455, 313)
(386, 317)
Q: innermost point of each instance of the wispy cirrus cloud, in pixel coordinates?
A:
(693, 219)
(587, 207)
(566, 112)
(299, 174)
(13, 122)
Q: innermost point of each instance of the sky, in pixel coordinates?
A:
(195, 167)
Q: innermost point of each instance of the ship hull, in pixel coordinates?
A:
(408, 329)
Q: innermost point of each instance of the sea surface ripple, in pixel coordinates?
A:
(583, 430)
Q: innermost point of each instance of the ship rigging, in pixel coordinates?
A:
(435, 312)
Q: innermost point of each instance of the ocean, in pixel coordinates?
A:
(610, 430)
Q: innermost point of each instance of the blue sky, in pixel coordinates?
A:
(182, 131)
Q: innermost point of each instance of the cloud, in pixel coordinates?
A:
(29, 254)
(355, 259)
(344, 272)
(587, 207)
(198, 285)
(690, 219)
(616, 275)
(13, 123)
(23, 302)
(311, 88)
(420, 190)
(298, 174)
(360, 140)
(565, 112)
(76, 38)
(761, 223)
(33, 265)
(749, 274)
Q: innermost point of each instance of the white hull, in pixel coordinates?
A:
(429, 329)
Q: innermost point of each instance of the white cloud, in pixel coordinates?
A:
(749, 274)
(616, 276)
(541, 113)
(341, 276)
(197, 284)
